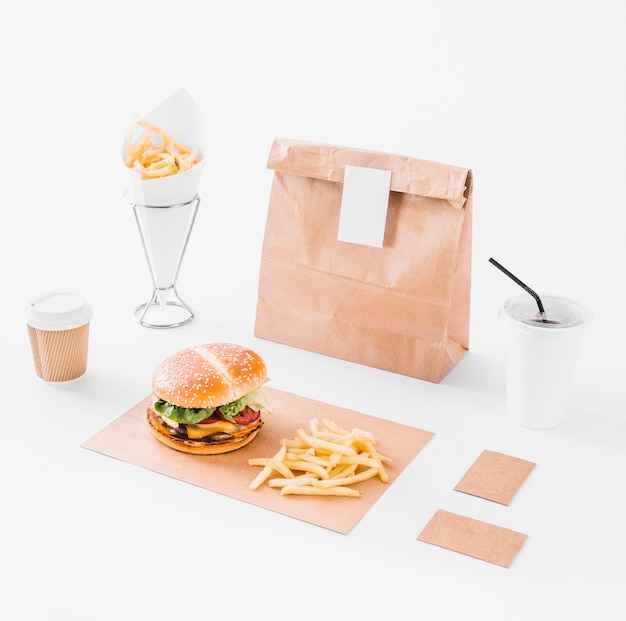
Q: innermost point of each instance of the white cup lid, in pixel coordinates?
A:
(560, 313)
(58, 310)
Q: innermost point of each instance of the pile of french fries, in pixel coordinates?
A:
(156, 154)
(327, 461)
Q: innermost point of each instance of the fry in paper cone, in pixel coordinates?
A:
(180, 119)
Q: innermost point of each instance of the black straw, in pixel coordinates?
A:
(522, 285)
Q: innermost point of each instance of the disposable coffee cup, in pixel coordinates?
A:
(58, 329)
(541, 357)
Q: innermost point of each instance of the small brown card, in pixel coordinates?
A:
(480, 540)
(495, 476)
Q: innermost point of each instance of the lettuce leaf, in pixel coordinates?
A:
(189, 416)
(254, 398)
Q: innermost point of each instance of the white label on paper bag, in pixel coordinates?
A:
(364, 205)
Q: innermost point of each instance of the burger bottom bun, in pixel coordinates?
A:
(196, 447)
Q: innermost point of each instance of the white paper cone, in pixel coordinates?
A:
(181, 118)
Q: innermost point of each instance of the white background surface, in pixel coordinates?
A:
(531, 96)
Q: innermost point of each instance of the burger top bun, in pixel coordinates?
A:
(207, 376)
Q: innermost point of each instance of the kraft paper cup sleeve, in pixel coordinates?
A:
(60, 355)
(181, 118)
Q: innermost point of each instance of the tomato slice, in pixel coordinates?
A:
(246, 417)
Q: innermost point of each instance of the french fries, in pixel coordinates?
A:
(326, 461)
(156, 154)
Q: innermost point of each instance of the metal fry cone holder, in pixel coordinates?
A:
(165, 232)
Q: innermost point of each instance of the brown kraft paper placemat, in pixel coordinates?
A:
(129, 439)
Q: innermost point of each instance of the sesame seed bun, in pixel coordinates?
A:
(207, 376)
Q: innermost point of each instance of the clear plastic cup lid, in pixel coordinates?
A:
(559, 313)
(58, 310)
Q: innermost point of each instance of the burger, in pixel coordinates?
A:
(208, 399)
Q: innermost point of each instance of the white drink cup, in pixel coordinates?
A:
(58, 329)
(541, 357)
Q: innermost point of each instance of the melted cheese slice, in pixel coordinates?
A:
(195, 432)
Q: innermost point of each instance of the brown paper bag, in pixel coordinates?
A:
(403, 307)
